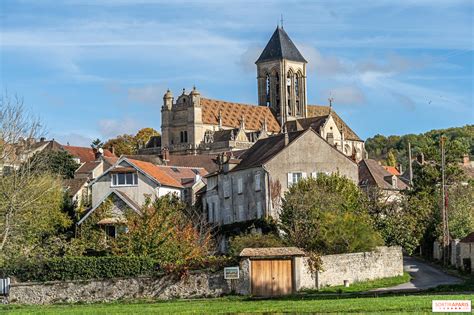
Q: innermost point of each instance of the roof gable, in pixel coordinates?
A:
(279, 47)
(375, 175)
(318, 110)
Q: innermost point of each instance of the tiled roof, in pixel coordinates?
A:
(201, 160)
(232, 113)
(317, 110)
(468, 239)
(305, 123)
(155, 172)
(279, 47)
(371, 173)
(392, 170)
(168, 175)
(272, 252)
(88, 167)
(74, 185)
(263, 150)
(85, 154)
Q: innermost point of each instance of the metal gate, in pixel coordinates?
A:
(4, 286)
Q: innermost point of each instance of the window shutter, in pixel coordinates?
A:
(303, 175)
(290, 179)
(314, 174)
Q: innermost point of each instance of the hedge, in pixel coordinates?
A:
(81, 268)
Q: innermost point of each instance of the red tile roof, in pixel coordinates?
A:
(392, 170)
(165, 175)
(85, 154)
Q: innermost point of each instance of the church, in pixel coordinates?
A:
(194, 125)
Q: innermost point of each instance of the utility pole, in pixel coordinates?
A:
(444, 212)
(410, 168)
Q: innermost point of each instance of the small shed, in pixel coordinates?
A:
(466, 252)
(273, 270)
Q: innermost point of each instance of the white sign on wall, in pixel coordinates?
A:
(231, 273)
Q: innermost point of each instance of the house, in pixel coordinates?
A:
(373, 175)
(128, 183)
(86, 154)
(249, 188)
(466, 253)
(77, 190)
(95, 168)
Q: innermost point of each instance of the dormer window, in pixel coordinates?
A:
(124, 179)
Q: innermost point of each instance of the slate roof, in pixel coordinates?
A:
(74, 185)
(85, 154)
(318, 110)
(272, 252)
(263, 150)
(279, 47)
(468, 239)
(371, 173)
(201, 160)
(305, 123)
(232, 114)
(88, 167)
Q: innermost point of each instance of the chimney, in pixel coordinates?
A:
(466, 161)
(113, 150)
(400, 168)
(42, 139)
(165, 155)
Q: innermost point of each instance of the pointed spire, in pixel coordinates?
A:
(279, 47)
(330, 104)
(242, 123)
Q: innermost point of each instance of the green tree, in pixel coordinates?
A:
(239, 242)
(122, 145)
(391, 159)
(328, 215)
(56, 162)
(97, 144)
(461, 210)
(143, 135)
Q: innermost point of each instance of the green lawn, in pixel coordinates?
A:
(399, 304)
(364, 286)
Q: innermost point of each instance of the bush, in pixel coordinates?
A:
(240, 242)
(81, 268)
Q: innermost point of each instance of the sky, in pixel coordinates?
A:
(98, 68)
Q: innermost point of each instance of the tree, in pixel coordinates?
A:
(30, 201)
(122, 145)
(97, 144)
(162, 231)
(461, 210)
(239, 242)
(144, 135)
(56, 162)
(328, 215)
(391, 159)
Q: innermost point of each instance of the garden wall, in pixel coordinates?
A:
(383, 262)
(196, 284)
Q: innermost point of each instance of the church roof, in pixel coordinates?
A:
(318, 110)
(280, 47)
(232, 114)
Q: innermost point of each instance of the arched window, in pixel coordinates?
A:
(297, 86)
(268, 88)
(288, 92)
(277, 92)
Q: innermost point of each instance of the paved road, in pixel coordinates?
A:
(424, 276)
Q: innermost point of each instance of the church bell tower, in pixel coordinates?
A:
(281, 75)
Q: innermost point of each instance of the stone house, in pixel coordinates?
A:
(129, 183)
(249, 188)
(372, 175)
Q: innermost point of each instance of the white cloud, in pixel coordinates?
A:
(149, 94)
(109, 128)
(73, 138)
(345, 95)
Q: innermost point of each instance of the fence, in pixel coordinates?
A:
(4, 286)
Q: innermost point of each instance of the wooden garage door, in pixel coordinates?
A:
(271, 277)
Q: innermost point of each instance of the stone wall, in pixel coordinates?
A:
(195, 285)
(382, 263)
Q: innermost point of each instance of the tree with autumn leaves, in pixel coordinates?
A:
(127, 144)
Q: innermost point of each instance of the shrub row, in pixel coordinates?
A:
(79, 268)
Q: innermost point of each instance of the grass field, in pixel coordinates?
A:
(418, 304)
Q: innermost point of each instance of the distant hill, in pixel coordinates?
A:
(459, 141)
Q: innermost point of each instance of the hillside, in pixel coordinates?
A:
(460, 140)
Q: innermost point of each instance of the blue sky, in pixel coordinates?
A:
(98, 68)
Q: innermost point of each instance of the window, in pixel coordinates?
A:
(227, 189)
(183, 136)
(124, 179)
(294, 178)
(110, 231)
(241, 213)
(258, 185)
(314, 175)
(259, 209)
(240, 186)
(268, 90)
